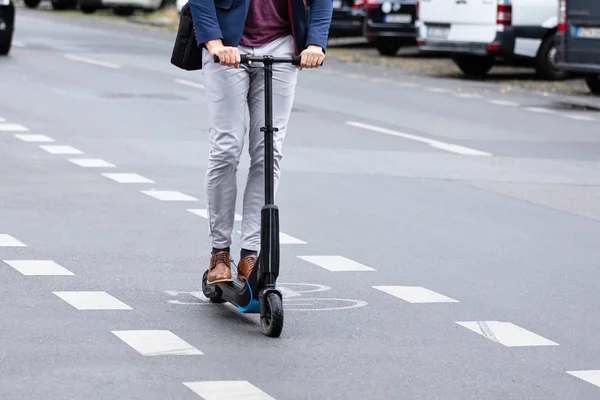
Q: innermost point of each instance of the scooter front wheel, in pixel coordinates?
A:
(272, 321)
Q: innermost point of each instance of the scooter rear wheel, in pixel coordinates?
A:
(272, 321)
(214, 293)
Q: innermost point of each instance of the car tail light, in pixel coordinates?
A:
(358, 3)
(504, 13)
(562, 16)
(372, 4)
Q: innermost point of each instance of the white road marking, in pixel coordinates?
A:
(18, 43)
(55, 149)
(579, 117)
(2, 119)
(203, 212)
(13, 128)
(506, 333)
(92, 301)
(227, 390)
(7, 240)
(169, 195)
(190, 83)
(539, 110)
(433, 143)
(407, 84)
(157, 343)
(468, 95)
(380, 80)
(336, 263)
(91, 163)
(88, 60)
(504, 103)
(286, 239)
(127, 178)
(436, 90)
(592, 376)
(34, 138)
(415, 294)
(38, 267)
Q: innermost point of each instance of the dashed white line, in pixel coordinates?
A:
(157, 343)
(92, 301)
(91, 163)
(38, 267)
(18, 43)
(436, 90)
(506, 103)
(468, 95)
(88, 60)
(169, 195)
(380, 80)
(433, 143)
(579, 117)
(52, 149)
(34, 138)
(506, 333)
(227, 390)
(287, 239)
(7, 240)
(415, 294)
(591, 376)
(203, 212)
(407, 84)
(336, 263)
(190, 83)
(539, 110)
(127, 178)
(13, 128)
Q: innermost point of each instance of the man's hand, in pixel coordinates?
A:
(228, 56)
(311, 57)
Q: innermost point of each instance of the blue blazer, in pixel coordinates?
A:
(225, 19)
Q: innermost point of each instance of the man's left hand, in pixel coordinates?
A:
(311, 57)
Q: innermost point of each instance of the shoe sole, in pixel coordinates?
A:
(218, 281)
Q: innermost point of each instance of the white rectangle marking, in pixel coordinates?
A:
(18, 43)
(34, 138)
(91, 163)
(190, 83)
(38, 267)
(127, 178)
(407, 84)
(591, 376)
(468, 95)
(52, 149)
(287, 239)
(157, 343)
(579, 117)
(203, 212)
(92, 301)
(415, 294)
(13, 128)
(436, 90)
(88, 60)
(506, 333)
(336, 263)
(2, 119)
(169, 195)
(7, 240)
(539, 110)
(504, 103)
(227, 390)
(433, 143)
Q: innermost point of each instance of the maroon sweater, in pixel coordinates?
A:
(267, 20)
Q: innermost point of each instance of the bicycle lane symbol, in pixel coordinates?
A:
(294, 298)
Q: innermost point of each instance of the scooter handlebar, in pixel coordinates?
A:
(245, 59)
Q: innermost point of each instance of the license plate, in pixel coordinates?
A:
(587, 33)
(398, 18)
(437, 32)
(337, 3)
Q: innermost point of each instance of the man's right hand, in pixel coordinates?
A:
(228, 56)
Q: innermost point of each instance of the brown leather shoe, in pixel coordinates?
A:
(245, 267)
(220, 269)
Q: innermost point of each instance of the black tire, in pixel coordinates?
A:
(88, 9)
(32, 3)
(5, 43)
(124, 11)
(64, 4)
(387, 48)
(545, 63)
(215, 295)
(473, 66)
(272, 322)
(593, 82)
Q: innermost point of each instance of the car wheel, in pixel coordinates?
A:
(387, 47)
(546, 62)
(5, 43)
(474, 66)
(124, 11)
(593, 82)
(63, 4)
(32, 3)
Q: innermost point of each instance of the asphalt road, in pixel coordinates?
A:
(441, 237)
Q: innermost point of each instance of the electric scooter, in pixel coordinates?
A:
(259, 293)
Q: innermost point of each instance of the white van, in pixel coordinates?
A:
(476, 33)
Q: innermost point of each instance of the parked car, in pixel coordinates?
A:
(347, 18)
(119, 7)
(390, 25)
(56, 4)
(477, 33)
(578, 39)
(7, 25)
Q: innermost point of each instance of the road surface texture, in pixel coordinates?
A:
(438, 241)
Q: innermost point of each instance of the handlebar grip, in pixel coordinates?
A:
(296, 60)
(243, 59)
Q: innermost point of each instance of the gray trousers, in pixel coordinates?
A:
(236, 105)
